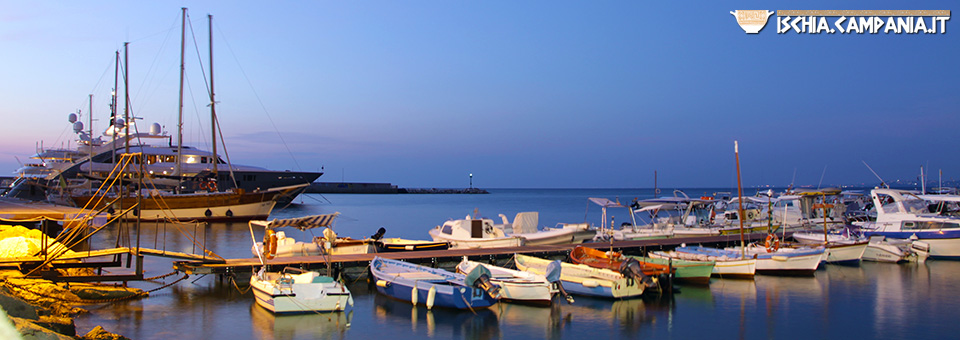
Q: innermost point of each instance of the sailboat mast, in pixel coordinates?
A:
(126, 97)
(113, 111)
(90, 129)
(183, 34)
(736, 152)
(213, 103)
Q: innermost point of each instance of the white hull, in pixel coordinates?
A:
(784, 264)
(258, 210)
(474, 243)
(515, 286)
(737, 268)
(570, 234)
(844, 253)
(305, 293)
(880, 250)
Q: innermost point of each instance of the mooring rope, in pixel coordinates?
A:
(24, 288)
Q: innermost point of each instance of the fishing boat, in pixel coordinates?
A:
(584, 280)
(696, 272)
(434, 287)
(474, 232)
(775, 260)
(614, 260)
(630, 230)
(727, 264)
(841, 247)
(293, 290)
(525, 225)
(278, 244)
(519, 286)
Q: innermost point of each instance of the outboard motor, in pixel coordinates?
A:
(379, 234)
(553, 276)
(631, 268)
(479, 277)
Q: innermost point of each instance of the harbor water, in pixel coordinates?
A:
(870, 301)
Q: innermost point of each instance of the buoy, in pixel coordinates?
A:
(431, 296)
(382, 283)
(413, 296)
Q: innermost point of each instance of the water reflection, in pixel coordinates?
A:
(440, 323)
(267, 325)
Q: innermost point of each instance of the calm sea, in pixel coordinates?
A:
(872, 301)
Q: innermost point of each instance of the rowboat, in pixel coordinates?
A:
(727, 263)
(614, 260)
(520, 286)
(433, 287)
(697, 272)
(584, 280)
(278, 244)
(400, 244)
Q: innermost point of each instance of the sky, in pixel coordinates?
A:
(528, 94)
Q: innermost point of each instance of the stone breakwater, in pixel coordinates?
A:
(43, 309)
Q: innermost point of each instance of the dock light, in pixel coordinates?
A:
(471, 181)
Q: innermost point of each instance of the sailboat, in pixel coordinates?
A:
(206, 204)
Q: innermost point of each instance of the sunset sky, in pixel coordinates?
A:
(529, 94)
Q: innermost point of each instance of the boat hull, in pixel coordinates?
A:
(685, 271)
(943, 244)
(845, 254)
(799, 263)
(399, 280)
(516, 286)
(585, 280)
(300, 297)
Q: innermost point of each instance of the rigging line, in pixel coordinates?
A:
(154, 64)
(199, 57)
(99, 81)
(259, 100)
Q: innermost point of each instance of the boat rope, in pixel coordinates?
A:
(470, 307)
(233, 280)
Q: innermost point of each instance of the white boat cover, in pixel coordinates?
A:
(606, 203)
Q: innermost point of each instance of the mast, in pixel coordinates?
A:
(183, 34)
(90, 128)
(126, 97)
(213, 103)
(113, 112)
(743, 246)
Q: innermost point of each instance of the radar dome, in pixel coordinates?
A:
(119, 122)
(72, 118)
(155, 129)
(77, 127)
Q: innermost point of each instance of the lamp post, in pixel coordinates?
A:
(471, 181)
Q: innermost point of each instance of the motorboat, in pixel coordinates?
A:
(293, 290)
(525, 225)
(520, 286)
(434, 287)
(474, 232)
(630, 230)
(584, 280)
(929, 222)
(277, 244)
(727, 263)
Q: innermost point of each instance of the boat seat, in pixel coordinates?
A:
(421, 276)
(322, 279)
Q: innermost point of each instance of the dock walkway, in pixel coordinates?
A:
(355, 265)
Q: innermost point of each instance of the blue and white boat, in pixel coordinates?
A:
(584, 280)
(930, 221)
(434, 287)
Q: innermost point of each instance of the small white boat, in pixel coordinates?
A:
(880, 249)
(841, 248)
(931, 222)
(434, 287)
(784, 261)
(728, 264)
(632, 230)
(472, 232)
(519, 286)
(584, 280)
(525, 225)
(296, 291)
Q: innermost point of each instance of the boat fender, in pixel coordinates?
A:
(413, 295)
(431, 296)
(780, 258)
(772, 243)
(383, 284)
(208, 213)
(590, 283)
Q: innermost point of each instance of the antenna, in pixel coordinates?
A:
(882, 182)
(821, 177)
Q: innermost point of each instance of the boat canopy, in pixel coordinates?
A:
(302, 223)
(606, 203)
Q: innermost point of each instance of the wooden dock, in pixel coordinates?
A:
(355, 265)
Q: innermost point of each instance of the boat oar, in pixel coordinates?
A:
(553, 276)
